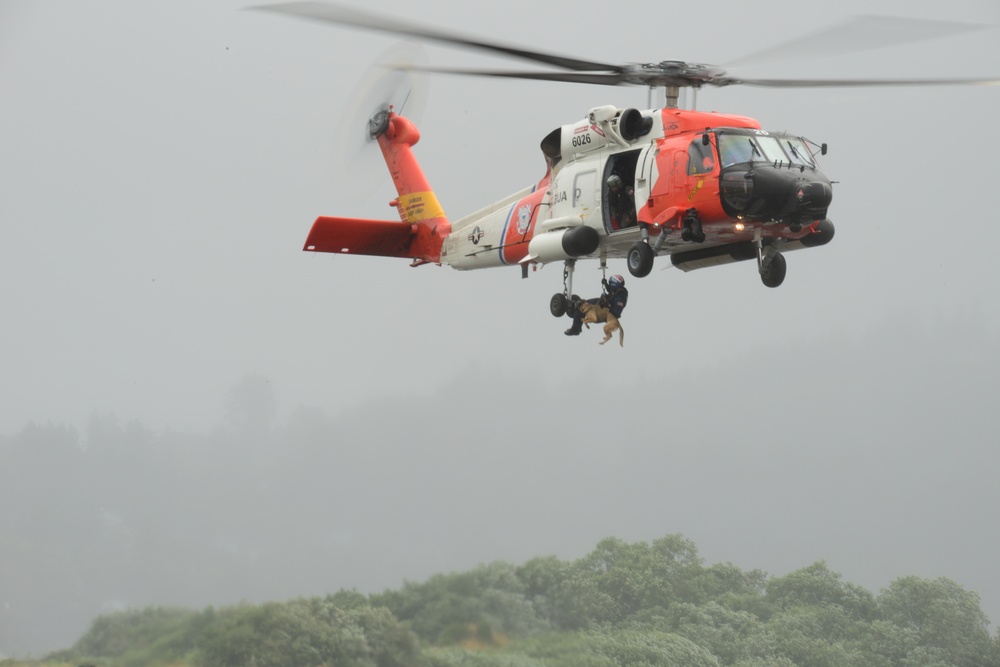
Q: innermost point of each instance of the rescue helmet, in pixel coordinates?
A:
(615, 283)
(615, 182)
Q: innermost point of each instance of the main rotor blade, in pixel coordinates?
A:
(859, 33)
(596, 78)
(854, 83)
(328, 13)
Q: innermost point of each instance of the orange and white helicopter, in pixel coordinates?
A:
(702, 188)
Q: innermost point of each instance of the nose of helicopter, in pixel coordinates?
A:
(770, 192)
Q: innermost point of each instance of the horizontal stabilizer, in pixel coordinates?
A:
(356, 236)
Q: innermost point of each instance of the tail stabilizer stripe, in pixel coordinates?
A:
(420, 206)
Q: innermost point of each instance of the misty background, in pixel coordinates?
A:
(195, 412)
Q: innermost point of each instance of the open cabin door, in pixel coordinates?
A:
(619, 207)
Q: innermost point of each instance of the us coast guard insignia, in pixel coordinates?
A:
(523, 219)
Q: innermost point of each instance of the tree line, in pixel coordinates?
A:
(643, 604)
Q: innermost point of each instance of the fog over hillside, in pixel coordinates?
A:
(194, 411)
(877, 455)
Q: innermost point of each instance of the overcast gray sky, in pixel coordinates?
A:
(161, 164)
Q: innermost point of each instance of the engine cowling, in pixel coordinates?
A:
(632, 124)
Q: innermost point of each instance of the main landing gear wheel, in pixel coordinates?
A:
(774, 273)
(558, 305)
(640, 259)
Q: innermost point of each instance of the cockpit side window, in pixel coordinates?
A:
(701, 158)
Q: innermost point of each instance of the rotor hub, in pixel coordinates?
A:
(675, 73)
(379, 122)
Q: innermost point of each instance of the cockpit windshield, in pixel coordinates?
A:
(798, 151)
(737, 147)
(772, 149)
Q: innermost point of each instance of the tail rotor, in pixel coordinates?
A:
(394, 83)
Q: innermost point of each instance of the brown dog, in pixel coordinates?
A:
(596, 313)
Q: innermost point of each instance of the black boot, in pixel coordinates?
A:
(575, 329)
(697, 234)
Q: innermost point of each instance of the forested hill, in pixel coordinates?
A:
(623, 604)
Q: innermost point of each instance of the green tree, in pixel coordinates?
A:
(307, 633)
(618, 581)
(580, 603)
(724, 631)
(813, 636)
(890, 645)
(630, 648)
(817, 585)
(623, 572)
(678, 570)
(456, 657)
(765, 662)
(946, 618)
(388, 643)
(818, 618)
(541, 579)
(564, 649)
(114, 635)
(616, 648)
(441, 609)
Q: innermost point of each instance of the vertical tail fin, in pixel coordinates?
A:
(417, 204)
(423, 225)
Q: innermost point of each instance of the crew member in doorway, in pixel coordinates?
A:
(621, 203)
(614, 298)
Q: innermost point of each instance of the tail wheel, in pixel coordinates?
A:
(557, 305)
(640, 260)
(774, 274)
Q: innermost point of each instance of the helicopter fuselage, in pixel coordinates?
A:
(702, 188)
(695, 181)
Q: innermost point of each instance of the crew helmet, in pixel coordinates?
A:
(616, 282)
(615, 182)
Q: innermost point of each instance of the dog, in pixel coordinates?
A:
(596, 313)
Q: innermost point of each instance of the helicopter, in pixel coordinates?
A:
(700, 188)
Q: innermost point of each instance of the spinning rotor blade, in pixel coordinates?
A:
(856, 34)
(857, 83)
(861, 33)
(595, 78)
(607, 79)
(328, 13)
